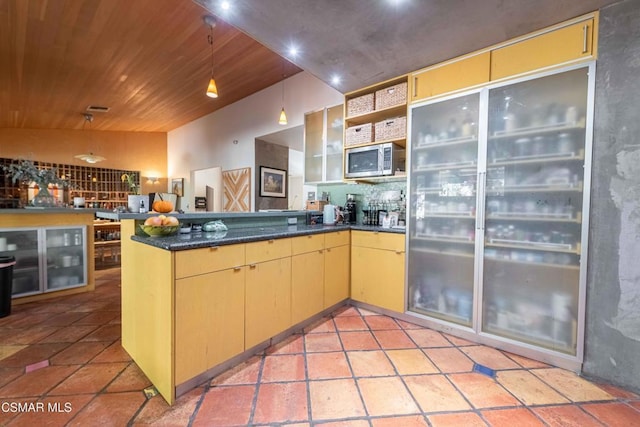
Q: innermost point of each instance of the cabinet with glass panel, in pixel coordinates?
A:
(323, 142)
(499, 182)
(47, 258)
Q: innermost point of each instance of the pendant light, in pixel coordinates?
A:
(212, 89)
(89, 157)
(283, 116)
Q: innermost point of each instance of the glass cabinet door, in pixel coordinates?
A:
(313, 131)
(532, 210)
(66, 257)
(444, 166)
(23, 245)
(334, 164)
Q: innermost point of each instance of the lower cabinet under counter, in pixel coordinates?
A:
(183, 328)
(378, 269)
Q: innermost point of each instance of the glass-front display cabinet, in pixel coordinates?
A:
(65, 254)
(323, 142)
(22, 244)
(499, 185)
(47, 258)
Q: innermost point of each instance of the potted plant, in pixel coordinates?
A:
(26, 172)
(134, 199)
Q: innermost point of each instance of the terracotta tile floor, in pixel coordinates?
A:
(354, 368)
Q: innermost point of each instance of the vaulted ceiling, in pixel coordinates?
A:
(149, 61)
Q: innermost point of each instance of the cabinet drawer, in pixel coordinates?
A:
(377, 240)
(268, 250)
(207, 260)
(556, 47)
(337, 238)
(458, 74)
(309, 243)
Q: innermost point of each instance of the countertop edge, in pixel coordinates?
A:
(205, 240)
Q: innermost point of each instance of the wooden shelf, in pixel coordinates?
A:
(376, 115)
(97, 185)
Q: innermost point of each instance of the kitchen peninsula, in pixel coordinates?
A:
(195, 304)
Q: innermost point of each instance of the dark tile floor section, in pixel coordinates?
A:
(354, 368)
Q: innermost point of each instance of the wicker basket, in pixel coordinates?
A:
(360, 134)
(391, 96)
(395, 128)
(360, 105)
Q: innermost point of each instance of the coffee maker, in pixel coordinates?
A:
(350, 209)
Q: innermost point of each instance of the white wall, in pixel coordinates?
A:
(208, 141)
(296, 179)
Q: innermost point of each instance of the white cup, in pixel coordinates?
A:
(67, 260)
(3, 244)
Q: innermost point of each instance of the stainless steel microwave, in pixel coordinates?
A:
(374, 160)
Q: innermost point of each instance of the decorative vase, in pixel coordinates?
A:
(43, 199)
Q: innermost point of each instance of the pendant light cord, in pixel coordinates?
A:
(210, 39)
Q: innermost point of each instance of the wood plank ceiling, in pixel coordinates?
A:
(149, 61)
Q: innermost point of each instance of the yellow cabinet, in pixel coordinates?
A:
(338, 238)
(337, 261)
(207, 260)
(309, 243)
(209, 321)
(454, 75)
(377, 269)
(307, 285)
(267, 250)
(267, 300)
(555, 47)
(374, 239)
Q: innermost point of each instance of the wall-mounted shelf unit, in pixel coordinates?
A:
(101, 187)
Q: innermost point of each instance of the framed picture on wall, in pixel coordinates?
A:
(177, 186)
(273, 182)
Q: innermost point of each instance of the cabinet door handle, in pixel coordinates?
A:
(214, 248)
(398, 252)
(320, 251)
(252, 266)
(328, 249)
(237, 268)
(415, 86)
(480, 202)
(270, 241)
(585, 33)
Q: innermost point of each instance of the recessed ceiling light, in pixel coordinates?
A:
(293, 51)
(225, 5)
(335, 80)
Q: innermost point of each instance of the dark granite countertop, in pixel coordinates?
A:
(232, 236)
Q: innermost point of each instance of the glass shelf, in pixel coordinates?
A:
(446, 142)
(535, 131)
(445, 238)
(531, 159)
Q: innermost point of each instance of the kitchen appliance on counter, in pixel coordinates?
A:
(329, 215)
(374, 160)
(314, 218)
(350, 209)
